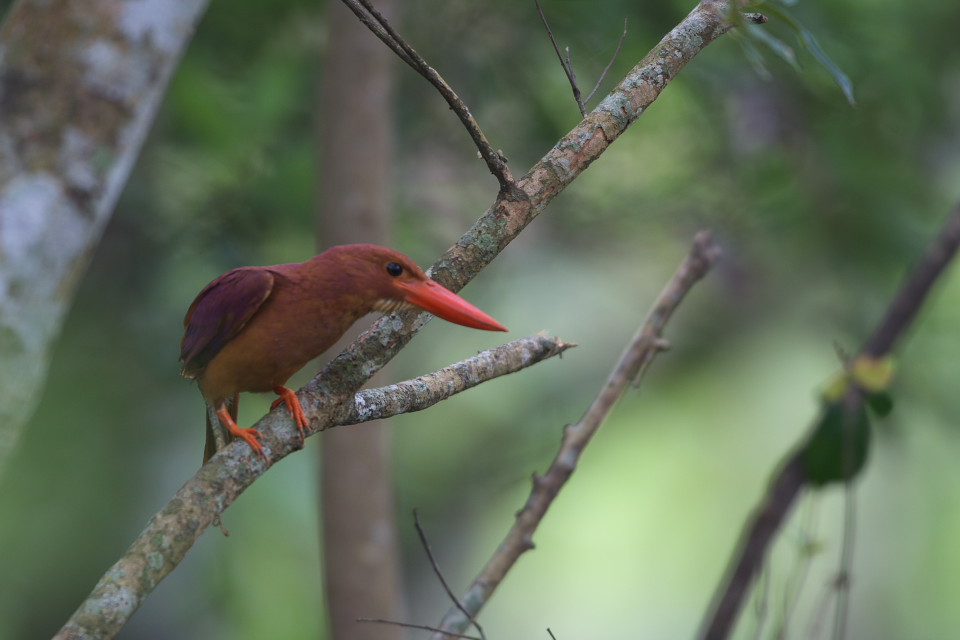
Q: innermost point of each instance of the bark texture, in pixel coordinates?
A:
(80, 84)
(361, 561)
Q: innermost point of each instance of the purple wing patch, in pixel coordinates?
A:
(219, 313)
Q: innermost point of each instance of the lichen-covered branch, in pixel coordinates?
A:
(80, 84)
(171, 532)
(425, 391)
(637, 355)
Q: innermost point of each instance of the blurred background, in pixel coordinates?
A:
(820, 207)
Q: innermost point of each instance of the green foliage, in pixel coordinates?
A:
(753, 34)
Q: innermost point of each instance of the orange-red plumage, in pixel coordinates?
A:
(254, 327)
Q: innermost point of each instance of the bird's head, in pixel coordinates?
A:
(395, 283)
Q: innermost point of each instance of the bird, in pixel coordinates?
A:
(252, 328)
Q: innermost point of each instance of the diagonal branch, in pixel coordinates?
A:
(638, 354)
(613, 58)
(374, 20)
(443, 581)
(565, 63)
(789, 481)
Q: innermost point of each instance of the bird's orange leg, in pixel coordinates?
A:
(293, 405)
(250, 435)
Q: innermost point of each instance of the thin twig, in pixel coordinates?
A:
(379, 25)
(759, 530)
(566, 64)
(637, 355)
(795, 584)
(844, 572)
(606, 69)
(762, 605)
(422, 627)
(436, 570)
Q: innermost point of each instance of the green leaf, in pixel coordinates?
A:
(775, 44)
(753, 56)
(842, 79)
(810, 43)
(837, 449)
(881, 403)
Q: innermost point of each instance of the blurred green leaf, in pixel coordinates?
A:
(881, 403)
(784, 51)
(806, 39)
(838, 448)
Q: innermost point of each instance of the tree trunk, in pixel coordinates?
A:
(361, 564)
(80, 85)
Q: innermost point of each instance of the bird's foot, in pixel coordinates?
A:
(290, 399)
(250, 435)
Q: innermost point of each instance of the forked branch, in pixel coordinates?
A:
(567, 63)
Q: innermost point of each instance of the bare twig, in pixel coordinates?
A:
(422, 627)
(846, 564)
(789, 481)
(795, 584)
(565, 63)
(436, 569)
(606, 69)
(638, 354)
(375, 21)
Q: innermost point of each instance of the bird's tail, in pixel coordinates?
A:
(217, 436)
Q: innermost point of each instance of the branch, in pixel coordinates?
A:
(639, 353)
(375, 21)
(421, 627)
(567, 64)
(613, 58)
(172, 531)
(787, 484)
(425, 391)
(165, 541)
(443, 581)
(909, 299)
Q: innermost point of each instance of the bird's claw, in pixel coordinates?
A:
(290, 399)
(252, 437)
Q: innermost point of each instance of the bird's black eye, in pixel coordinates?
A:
(394, 269)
